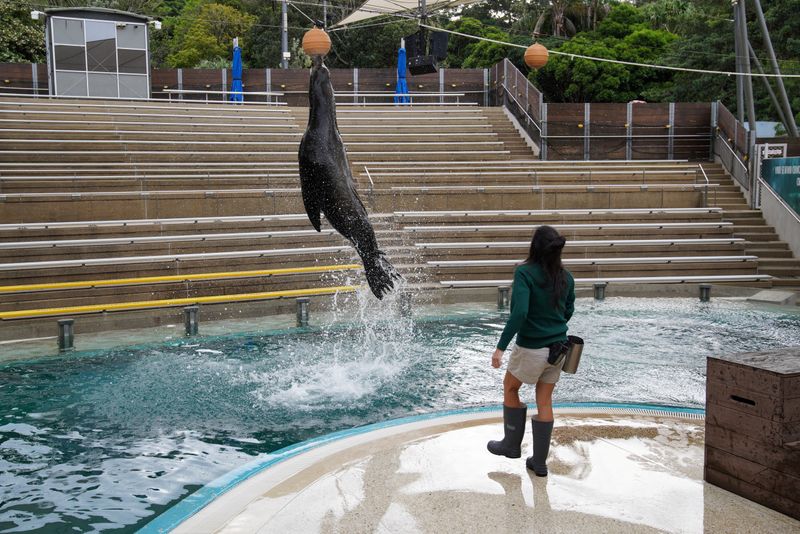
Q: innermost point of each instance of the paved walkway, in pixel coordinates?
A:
(612, 472)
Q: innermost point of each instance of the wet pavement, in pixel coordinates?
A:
(612, 472)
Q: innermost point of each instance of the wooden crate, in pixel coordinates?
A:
(753, 427)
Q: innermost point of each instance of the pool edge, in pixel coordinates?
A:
(194, 503)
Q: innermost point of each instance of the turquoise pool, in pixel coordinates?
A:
(108, 440)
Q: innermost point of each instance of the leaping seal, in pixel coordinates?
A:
(328, 186)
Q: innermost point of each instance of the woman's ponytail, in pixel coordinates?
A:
(546, 247)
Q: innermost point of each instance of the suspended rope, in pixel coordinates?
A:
(616, 61)
(302, 13)
(358, 27)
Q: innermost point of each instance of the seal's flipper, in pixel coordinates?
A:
(312, 205)
(380, 274)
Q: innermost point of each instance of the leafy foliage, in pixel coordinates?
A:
(621, 36)
(467, 53)
(205, 31)
(21, 38)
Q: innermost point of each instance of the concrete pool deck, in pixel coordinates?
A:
(611, 470)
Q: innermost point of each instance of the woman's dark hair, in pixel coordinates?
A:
(546, 247)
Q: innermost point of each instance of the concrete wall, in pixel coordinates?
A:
(782, 217)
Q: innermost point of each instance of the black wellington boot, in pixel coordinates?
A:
(514, 427)
(542, 432)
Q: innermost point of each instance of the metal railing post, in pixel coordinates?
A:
(671, 134)
(705, 292)
(180, 84)
(441, 86)
(35, 79)
(303, 304)
(714, 122)
(224, 85)
(600, 290)
(629, 132)
(66, 335)
(486, 88)
(190, 321)
(543, 148)
(355, 86)
(502, 297)
(505, 82)
(586, 141)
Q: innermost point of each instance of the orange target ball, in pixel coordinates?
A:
(536, 56)
(316, 42)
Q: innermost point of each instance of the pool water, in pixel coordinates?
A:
(106, 441)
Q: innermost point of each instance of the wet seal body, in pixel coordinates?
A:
(328, 186)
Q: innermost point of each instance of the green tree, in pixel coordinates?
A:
(205, 31)
(498, 13)
(622, 35)
(465, 52)
(621, 21)
(556, 17)
(674, 16)
(21, 38)
(300, 60)
(369, 47)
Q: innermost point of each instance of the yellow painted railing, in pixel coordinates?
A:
(88, 284)
(140, 305)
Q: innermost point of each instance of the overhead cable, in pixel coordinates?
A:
(616, 61)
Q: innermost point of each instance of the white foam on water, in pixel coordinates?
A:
(338, 382)
(344, 367)
(209, 351)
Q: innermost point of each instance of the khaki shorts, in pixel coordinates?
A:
(530, 366)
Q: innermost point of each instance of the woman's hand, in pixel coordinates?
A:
(497, 358)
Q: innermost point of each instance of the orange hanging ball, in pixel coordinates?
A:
(536, 56)
(316, 42)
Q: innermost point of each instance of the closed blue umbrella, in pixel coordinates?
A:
(401, 92)
(236, 84)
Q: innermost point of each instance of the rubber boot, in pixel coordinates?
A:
(514, 427)
(542, 432)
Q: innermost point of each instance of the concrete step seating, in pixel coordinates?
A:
(616, 268)
(96, 194)
(751, 280)
(637, 242)
(495, 173)
(584, 248)
(92, 268)
(97, 291)
(562, 215)
(167, 303)
(572, 231)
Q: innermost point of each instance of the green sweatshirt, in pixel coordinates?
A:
(533, 318)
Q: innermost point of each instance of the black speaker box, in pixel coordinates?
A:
(421, 65)
(439, 44)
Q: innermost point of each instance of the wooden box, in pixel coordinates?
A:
(753, 427)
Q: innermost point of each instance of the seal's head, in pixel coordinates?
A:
(320, 90)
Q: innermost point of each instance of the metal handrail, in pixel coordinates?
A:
(212, 92)
(393, 94)
(126, 98)
(617, 136)
(708, 184)
(729, 147)
(371, 183)
(521, 107)
(765, 185)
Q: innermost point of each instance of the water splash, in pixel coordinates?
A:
(344, 366)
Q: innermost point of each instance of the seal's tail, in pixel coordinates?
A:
(380, 274)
